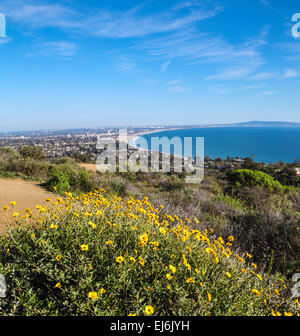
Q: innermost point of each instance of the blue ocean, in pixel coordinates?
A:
(263, 144)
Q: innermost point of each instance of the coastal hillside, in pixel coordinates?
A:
(150, 244)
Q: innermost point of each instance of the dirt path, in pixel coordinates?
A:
(89, 166)
(25, 194)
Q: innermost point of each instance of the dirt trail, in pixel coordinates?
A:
(89, 166)
(25, 194)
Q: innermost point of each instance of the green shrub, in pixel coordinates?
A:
(233, 202)
(58, 181)
(67, 177)
(252, 178)
(171, 183)
(119, 186)
(33, 152)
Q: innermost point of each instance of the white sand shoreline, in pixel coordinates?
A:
(139, 134)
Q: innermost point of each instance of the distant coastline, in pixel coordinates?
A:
(268, 144)
(257, 124)
(151, 129)
(132, 137)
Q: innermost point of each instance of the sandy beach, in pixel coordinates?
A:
(139, 134)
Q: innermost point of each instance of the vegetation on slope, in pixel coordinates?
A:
(101, 255)
(262, 215)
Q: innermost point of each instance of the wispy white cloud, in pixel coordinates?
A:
(4, 40)
(266, 3)
(128, 24)
(186, 4)
(165, 65)
(292, 48)
(249, 87)
(125, 64)
(231, 74)
(61, 48)
(244, 59)
(290, 73)
(175, 85)
(174, 82)
(104, 23)
(37, 14)
(264, 75)
(267, 93)
(220, 91)
(237, 61)
(197, 46)
(238, 89)
(178, 89)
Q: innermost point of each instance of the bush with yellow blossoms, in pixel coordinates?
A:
(101, 255)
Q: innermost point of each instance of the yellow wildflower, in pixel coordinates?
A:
(132, 259)
(259, 277)
(169, 276)
(141, 261)
(119, 259)
(84, 247)
(149, 310)
(190, 280)
(93, 295)
(92, 225)
(256, 292)
(162, 231)
(53, 226)
(144, 238)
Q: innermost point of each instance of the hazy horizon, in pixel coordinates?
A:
(153, 125)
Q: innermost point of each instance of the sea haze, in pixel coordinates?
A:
(263, 144)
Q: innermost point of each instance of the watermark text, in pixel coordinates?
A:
(188, 155)
(2, 25)
(2, 286)
(296, 26)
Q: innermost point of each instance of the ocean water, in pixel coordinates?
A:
(263, 144)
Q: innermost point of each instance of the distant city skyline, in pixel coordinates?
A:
(67, 64)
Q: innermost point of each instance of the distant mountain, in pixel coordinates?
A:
(270, 123)
(259, 124)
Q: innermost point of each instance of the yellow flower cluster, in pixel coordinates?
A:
(196, 258)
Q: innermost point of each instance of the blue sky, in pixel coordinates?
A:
(71, 64)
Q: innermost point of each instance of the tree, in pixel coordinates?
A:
(33, 152)
(287, 176)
